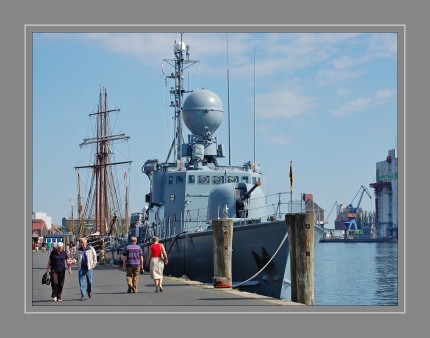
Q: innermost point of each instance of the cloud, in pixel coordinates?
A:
(382, 45)
(273, 137)
(275, 53)
(385, 93)
(323, 59)
(279, 139)
(342, 92)
(380, 97)
(283, 104)
(331, 77)
(346, 62)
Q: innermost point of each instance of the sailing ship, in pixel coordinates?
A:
(103, 203)
(191, 190)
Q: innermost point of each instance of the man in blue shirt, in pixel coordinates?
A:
(87, 261)
(132, 261)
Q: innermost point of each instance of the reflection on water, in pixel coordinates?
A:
(356, 274)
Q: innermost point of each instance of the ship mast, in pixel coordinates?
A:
(102, 169)
(80, 206)
(126, 209)
(73, 222)
(180, 64)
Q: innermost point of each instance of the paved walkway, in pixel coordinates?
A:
(109, 294)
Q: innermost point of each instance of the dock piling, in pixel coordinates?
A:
(222, 252)
(301, 233)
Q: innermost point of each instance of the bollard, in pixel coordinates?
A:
(222, 252)
(301, 234)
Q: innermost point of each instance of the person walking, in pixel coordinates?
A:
(58, 259)
(87, 261)
(132, 261)
(156, 259)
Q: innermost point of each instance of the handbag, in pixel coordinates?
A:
(46, 279)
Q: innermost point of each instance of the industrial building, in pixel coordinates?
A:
(385, 189)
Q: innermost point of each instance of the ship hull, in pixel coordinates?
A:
(191, 255)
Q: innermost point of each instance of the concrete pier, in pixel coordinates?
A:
(110, 294)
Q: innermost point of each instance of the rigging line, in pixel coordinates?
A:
(228, 109)
(280, 245)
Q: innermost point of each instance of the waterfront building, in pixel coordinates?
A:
(385, 189)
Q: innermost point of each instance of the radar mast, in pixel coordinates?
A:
(177, 91)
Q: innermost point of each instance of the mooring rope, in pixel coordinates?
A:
(280, 245)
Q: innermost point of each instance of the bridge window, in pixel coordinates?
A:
(232, 179)
(218, 179)
(191, 179)
(255, 179)
(204, 179)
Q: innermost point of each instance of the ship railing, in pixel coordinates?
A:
(275, 207)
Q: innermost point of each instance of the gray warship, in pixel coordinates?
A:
(187, 193)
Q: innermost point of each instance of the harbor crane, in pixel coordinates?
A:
(363, 190)
(352, 211)
(329, 213)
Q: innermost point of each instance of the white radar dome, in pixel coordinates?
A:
(202, 110)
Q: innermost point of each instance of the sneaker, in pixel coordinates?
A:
(55, 299)
(59, 300)
(83, 298)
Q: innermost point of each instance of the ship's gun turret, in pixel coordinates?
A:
(248, 193)
(240, 202)
(233, 199)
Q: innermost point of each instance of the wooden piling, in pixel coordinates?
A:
(222, 252)
(301, 234)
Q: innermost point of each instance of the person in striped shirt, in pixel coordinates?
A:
(132, 261)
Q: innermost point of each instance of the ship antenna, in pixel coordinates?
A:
(180, 71)
(228, 109)
(179, 64)
(255, 51)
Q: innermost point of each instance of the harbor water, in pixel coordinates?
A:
(356, 274)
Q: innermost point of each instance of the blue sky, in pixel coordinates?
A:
(326, 101)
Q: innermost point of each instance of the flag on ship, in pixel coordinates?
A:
(291, 175)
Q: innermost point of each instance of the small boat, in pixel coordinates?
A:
(193, 189)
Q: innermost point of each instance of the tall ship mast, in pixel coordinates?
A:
(102, 209)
